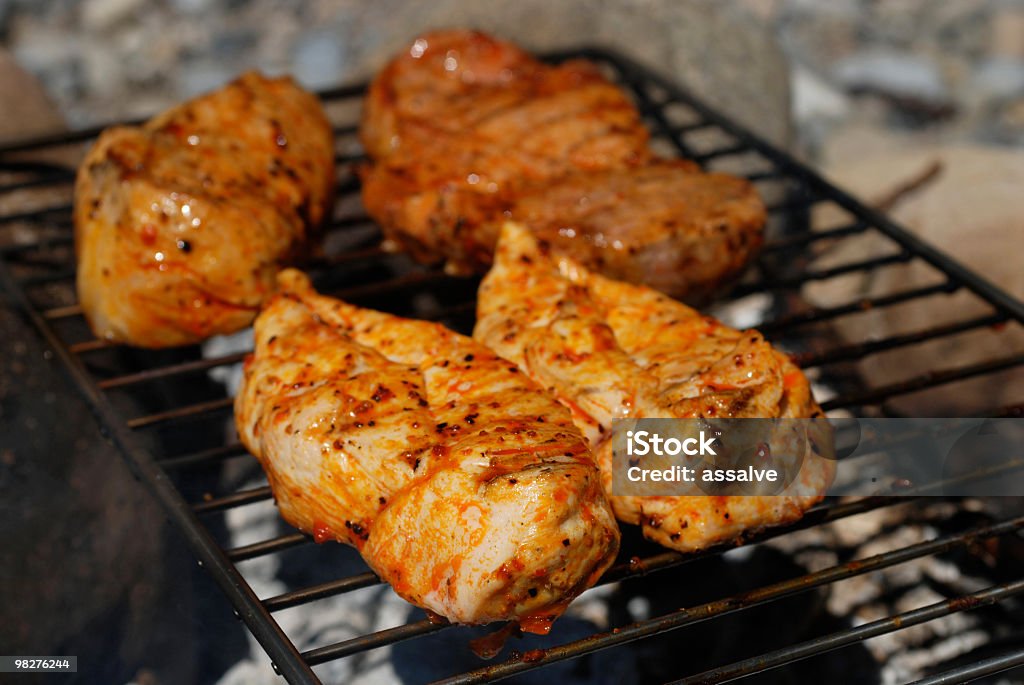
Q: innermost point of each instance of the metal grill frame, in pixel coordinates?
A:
(159, 475)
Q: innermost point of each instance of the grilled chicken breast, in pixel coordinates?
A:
(613, 350)
(182, 223)
(461, 482)
(465, 132)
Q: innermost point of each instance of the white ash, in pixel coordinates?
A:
(229, 376)
(905, 654)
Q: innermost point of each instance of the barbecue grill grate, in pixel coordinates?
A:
(38, 271)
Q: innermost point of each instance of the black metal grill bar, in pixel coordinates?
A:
(844, 638)
(91, 346)
(59, 139)
(202, 457)
(859, 351)
(256, 549)
(52, 179)
(349, 158)
(802, 239)
(922, 382)
(682, 129)
(25, 166)
(409, 280)
(364, 254)
(621, 571)
(188, 411)
(722, 607)
(235, 499)
(661, 125)
(820, 314)
(171, 370)
(726, 151)
(737, 149)
(765, 175)
(64, 312)
(794, 204)
(345, 130)
(345, 92)
(321, 591)
(388, 636)
(822, 274)
(979, 669)
(349, 222)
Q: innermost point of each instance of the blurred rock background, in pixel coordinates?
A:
(936, 70)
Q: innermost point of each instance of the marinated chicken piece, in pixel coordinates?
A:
(181, 224)
(461, 483)
(610, 350)
(465, 131)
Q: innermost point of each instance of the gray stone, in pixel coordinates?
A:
(1000, 77)
(45, 50)
(814, 98)
(27, 109)
(1007, 31)
(192, 6)
(101, 68)
(202, 77)
(319, 58)
(900, 74)
(98, 15)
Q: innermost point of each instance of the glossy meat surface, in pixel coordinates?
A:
(182, 223)
(465, 131)
(461, 482)
(665, 224)
(611, 350)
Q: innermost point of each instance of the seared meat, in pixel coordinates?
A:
(665, 224)
(461, 122)
(490, 103)
(181, 224)
(466, 131)
(612, 350)
(461, 482)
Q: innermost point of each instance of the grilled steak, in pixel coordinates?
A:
(465, 132)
